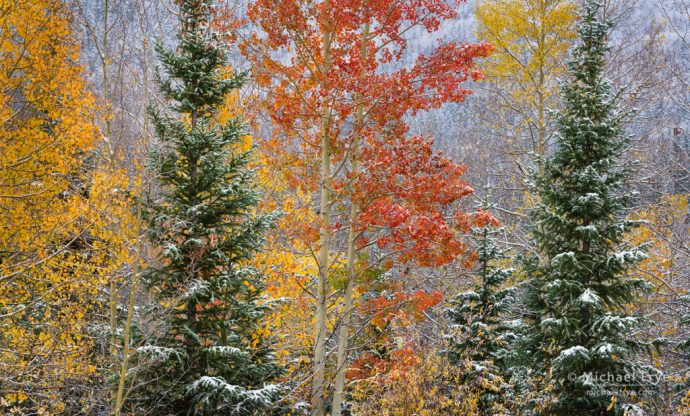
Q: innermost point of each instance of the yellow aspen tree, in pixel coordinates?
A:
(63, 223)
(665, 230)
(531, 38)
(286, 262)
(287, 266)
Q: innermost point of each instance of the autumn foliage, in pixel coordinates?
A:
(66, 227)
(404, 193)
(324, 226)
(338, 80)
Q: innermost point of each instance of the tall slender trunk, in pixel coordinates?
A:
(319, 364)
(105, 62)
(541, 100)
(344, 333)
(120, 396)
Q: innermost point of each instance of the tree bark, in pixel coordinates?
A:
(319, 363)
(120, 395)
(344, 334)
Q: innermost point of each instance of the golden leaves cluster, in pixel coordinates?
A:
(65, 224)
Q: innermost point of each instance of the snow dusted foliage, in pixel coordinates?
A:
(480, 340)
(209, 357)
(580, 336)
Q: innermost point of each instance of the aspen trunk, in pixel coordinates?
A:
(319, 363)
(344, 334)
(113, 297)
(541, 101)
(120, 395)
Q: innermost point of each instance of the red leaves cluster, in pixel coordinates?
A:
(408, 191)
(288, 60)
(480, 219)
(407, 195)
(369, 365)
(383, 309)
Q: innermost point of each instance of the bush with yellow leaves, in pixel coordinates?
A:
(427, 385)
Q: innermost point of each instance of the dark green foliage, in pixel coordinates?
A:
(481, 338)
(578, 291)
(205, 357)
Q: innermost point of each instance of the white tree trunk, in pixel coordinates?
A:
(318, 366)
(344, 334)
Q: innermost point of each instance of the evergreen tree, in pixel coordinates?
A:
(208, 357)
(579, 325)
(480, 339)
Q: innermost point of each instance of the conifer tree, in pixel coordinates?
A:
(480, 337)
(208, 356)
(580, 330)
